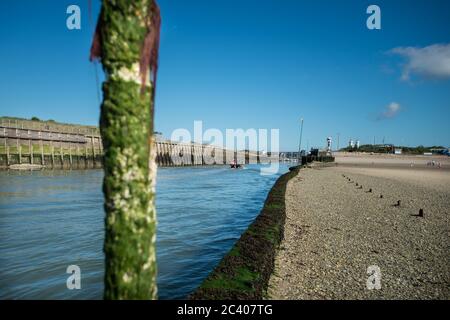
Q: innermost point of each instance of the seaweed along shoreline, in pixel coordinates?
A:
(245, 271)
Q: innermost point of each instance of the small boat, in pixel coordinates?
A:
(235, 165)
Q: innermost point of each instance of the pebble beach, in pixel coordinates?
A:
(364, 212)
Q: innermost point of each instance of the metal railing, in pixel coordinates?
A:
(48, 126)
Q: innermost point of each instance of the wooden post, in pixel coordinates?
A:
(93, 149)
(7, 151)
(70, 154)
(19, 150)
(52, 147)
(42, 153)
(165, 159)
(157, 158)
(175, 154)
(78, 154)
(100, 145)
(169, 154)
(98, 149)
(86, 159)
(31, 152)
(61, 153)
(129, 157)
(164, 153)
(203, 155)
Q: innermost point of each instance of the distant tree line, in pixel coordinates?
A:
(37, 119)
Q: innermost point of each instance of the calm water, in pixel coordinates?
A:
(52, 219)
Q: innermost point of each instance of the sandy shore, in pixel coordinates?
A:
(334, 231)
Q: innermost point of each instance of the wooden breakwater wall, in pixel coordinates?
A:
(49, 144)
(171, 154)
(63, 146)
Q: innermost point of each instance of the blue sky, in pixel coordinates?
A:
(251, 64)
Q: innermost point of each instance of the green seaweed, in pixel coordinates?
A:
(235, 252)
(242, 281)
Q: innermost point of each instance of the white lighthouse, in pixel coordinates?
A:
(329, 141)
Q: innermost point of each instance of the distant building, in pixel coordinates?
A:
(398, 151)
(357, 144)
(351, 144)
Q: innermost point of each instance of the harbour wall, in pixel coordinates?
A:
(65, 146)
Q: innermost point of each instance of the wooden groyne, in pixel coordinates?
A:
(65, 146)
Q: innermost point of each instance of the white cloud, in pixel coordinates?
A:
(390, 112)
(429, 62)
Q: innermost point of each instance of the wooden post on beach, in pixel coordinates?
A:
(126, 126)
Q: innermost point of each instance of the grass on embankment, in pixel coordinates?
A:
(245, 271)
